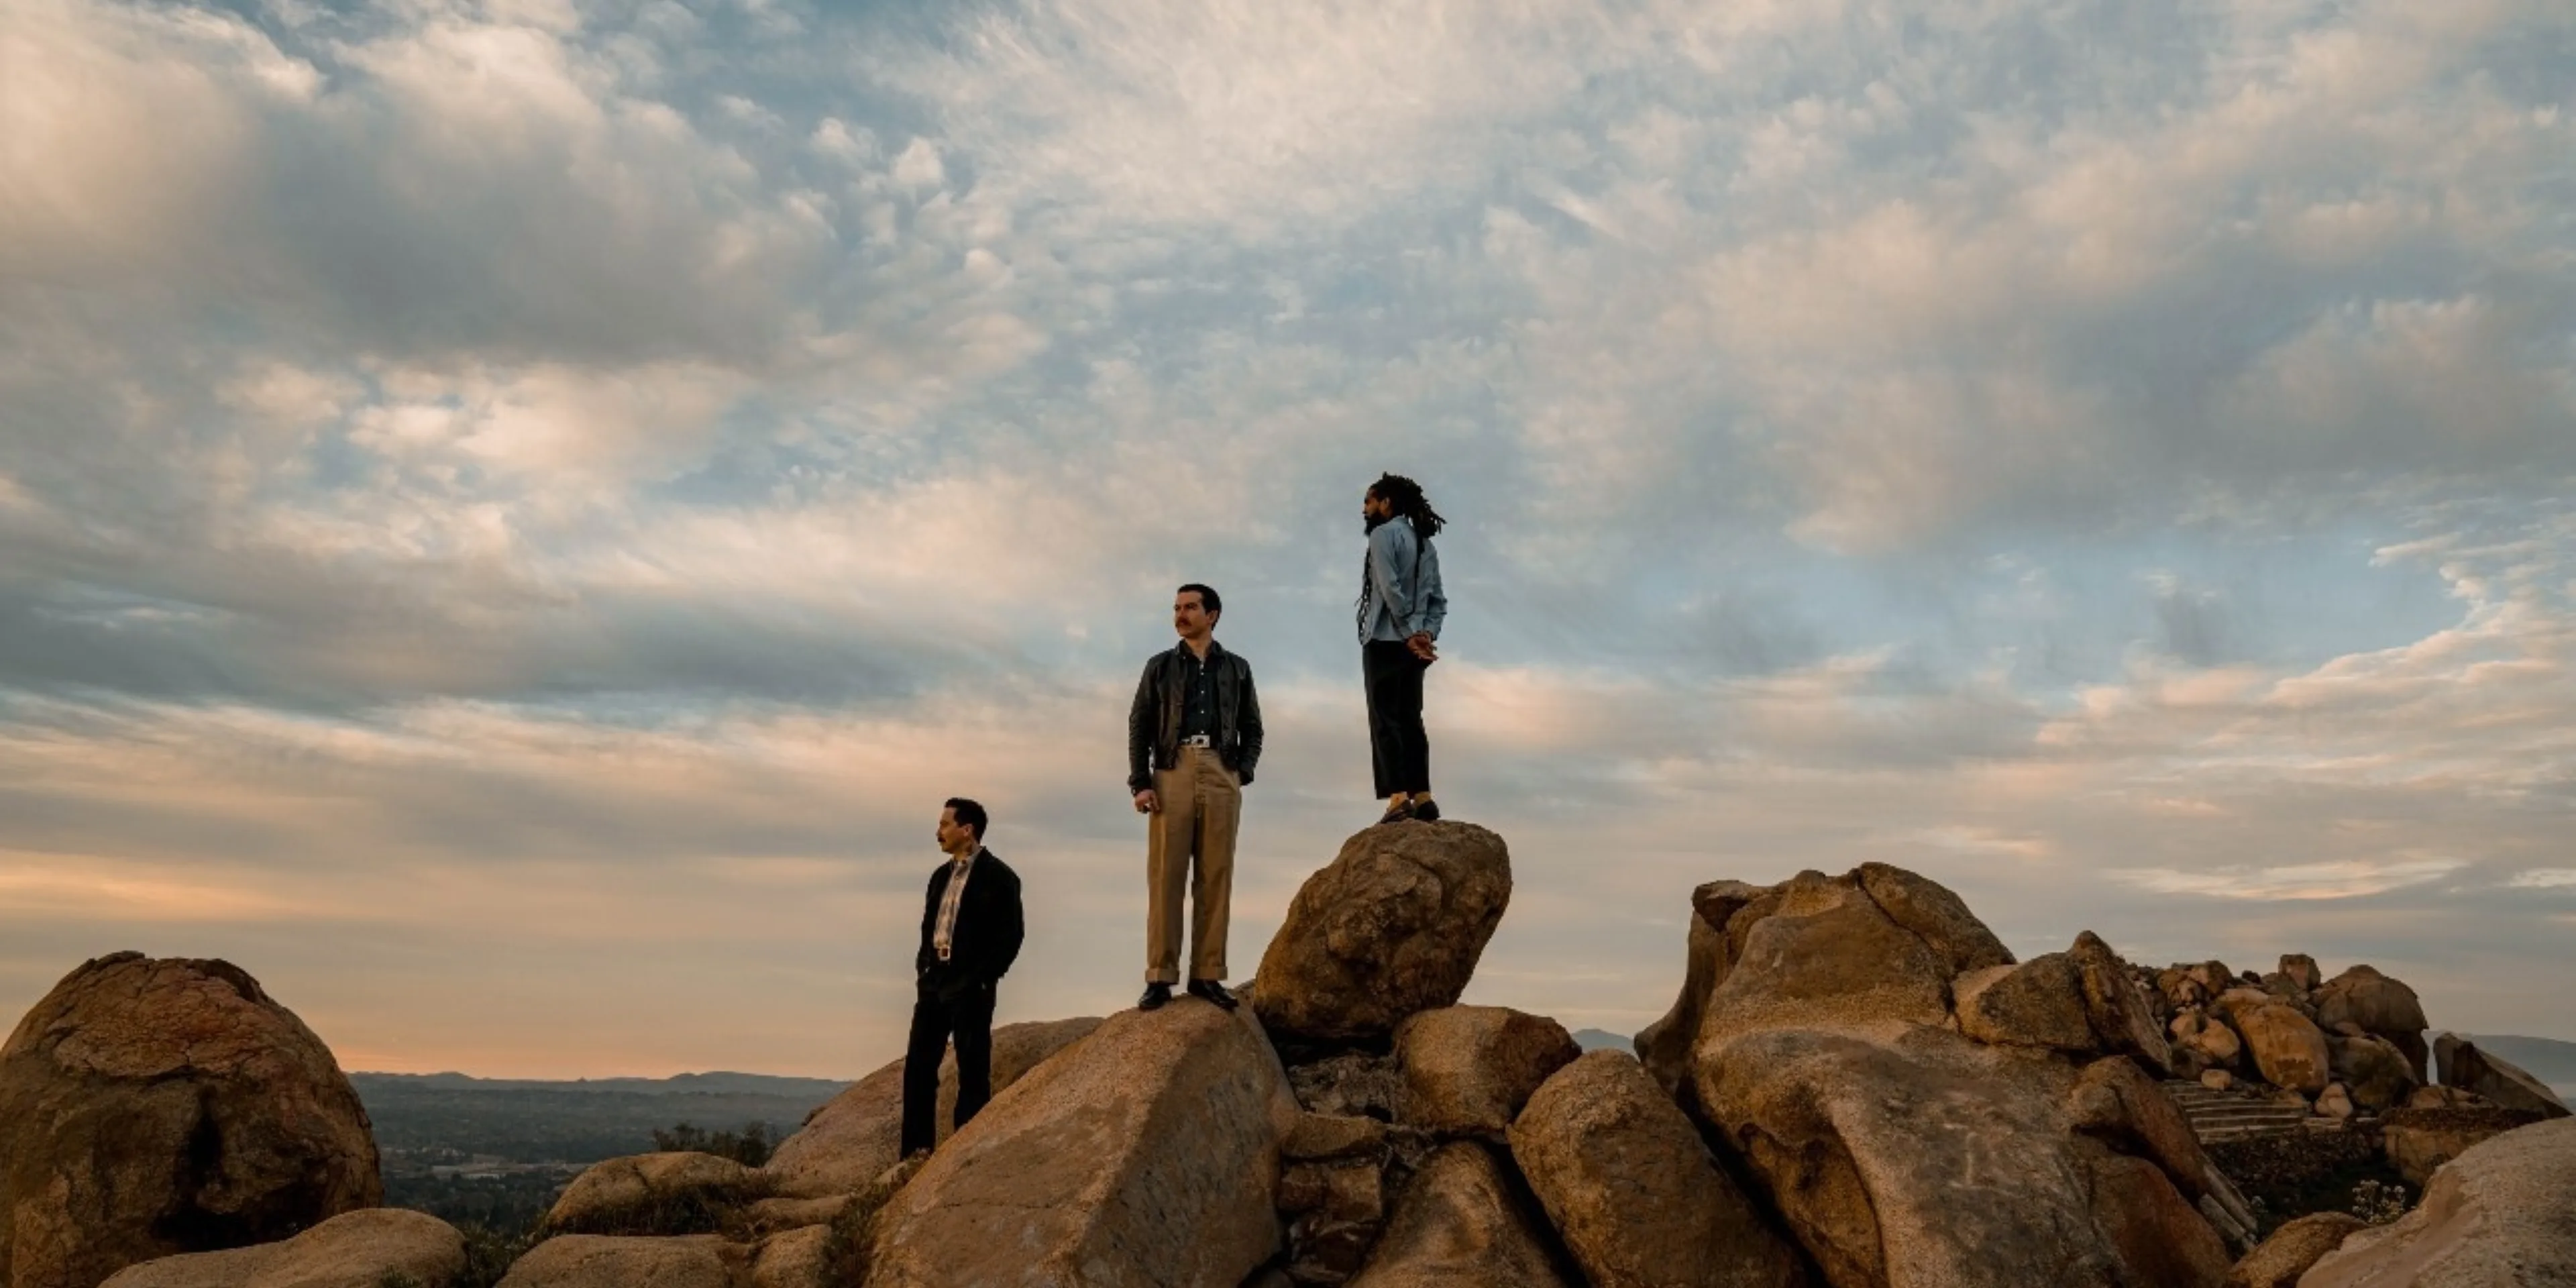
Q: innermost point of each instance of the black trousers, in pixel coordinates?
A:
(1397, 743)
(966, 1015)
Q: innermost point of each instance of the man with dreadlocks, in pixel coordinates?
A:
(1400, 610)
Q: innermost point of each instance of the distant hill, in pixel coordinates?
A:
(1605, 1040)
(720, 1083)
(2548, 1059)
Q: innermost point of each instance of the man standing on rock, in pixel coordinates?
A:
(1400, 611)
(1193, 737)
(970, 933)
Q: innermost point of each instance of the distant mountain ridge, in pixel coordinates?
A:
(1605, 1040)
(720, 1083)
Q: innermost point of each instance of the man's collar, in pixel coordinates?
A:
(968, 857)
(1214, 648)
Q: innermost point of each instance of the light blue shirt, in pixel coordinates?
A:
(1400, 595)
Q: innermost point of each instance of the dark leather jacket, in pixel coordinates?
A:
(1154, 720)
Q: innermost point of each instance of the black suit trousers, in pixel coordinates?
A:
(1398, 746)
(943, 1010)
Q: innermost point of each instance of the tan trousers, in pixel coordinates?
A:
(1189, 849)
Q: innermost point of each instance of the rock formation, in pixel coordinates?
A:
(1393, 926)
(2379, 1005)
(1828, 1055)
(668, 1193)
(2497, 1214)
(1147, 1153)
(363, 1249)
(156, 1107)
(852, 1140)
(2494, 1079)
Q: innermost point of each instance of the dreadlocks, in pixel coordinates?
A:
(1406, 496)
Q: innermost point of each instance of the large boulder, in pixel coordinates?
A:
(2372, 1069)
(856, 1136)
(603, 1261)
(1146, 1154)
(2297, 1245)
(364, 1249)
(2494, 1078)
(1633, 1191)
(2379, 1005)
(2418, 1141)
(1461, 1221)
(2497, 1214)
(1392, 926)
(2287, 1048)
(1827, 1061)
(1469, 1069)
(2116, 1007)
(668, 1193)
(2038, 1003)
(156, 1107)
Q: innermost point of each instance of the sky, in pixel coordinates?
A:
(514, 515)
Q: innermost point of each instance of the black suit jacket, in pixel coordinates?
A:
(985, 940)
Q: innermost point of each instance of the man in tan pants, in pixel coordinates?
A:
(1193, 737)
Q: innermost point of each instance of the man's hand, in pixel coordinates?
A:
(1148, 803)
(1423, 647)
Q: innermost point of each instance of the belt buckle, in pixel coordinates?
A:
(1198, 740)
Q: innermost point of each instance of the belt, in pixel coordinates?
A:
(1198, 740)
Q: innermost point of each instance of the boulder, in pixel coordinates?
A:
(1826, 1062)
(2218, 1079)
(676, 1192)
(2335, 1102)
(1148, 1153)
(1392, 926)
(2038, 1003)
(2419, 1141)
(1459, 1222)
(2122, 1019)
(854, 1138)
(156, 1107)
(2293, 1248)
(362, 1249)
(2372, 1068)
(2379, 1005)
(603, 1261)
(1352, 1084)
(2288, 1049)
(2494, 1079)
(1469, 1069)
(2497, 1214)
(1665, 1045)
(2301, 970)
(1632, 1190)
(2217, 1044)
(1319, 1136)
(2114, 1100)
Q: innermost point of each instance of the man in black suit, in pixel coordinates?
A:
(970, 933)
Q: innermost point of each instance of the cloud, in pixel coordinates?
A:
(2298, 881)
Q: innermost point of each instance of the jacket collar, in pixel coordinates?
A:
(1215, 650)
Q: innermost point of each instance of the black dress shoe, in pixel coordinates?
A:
(1427, 811)
(1155, 996)
(1396, 814)
(1212, 991)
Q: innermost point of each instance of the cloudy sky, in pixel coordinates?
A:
(514, 514)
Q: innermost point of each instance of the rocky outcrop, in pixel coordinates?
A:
(2497, 1214)
(668, 1193)
(1148, 1153)
(364, 1249)
(2494, 1079)
(2297, 1245)
(2418, 1141)
(2287, 1049)
(1633, 1192)
(1461, 1221)
(602, 1261)
(1469, 1069)
(1828, 1058)
(2372, 1070)
(853, 1139)
(1393, 926)
(2038, 1003)
(156, 1107)
(2379, 1005)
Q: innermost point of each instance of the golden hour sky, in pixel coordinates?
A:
(513, 515)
